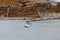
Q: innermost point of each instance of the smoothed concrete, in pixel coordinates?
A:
(41, 30)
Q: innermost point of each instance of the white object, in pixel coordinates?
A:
(28, 23)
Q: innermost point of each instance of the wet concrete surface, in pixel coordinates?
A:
(40, 30)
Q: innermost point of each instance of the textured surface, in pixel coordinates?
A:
(29, 8)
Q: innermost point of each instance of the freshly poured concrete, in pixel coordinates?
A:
(41, 30)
